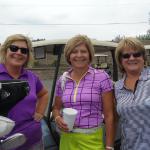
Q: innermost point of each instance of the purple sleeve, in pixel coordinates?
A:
(35, 81)
(106, 83)
(39, 85)
(58, 90)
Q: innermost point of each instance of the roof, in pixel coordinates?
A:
(100, 55)
(64, 41)
(103, 45)
(147, 47)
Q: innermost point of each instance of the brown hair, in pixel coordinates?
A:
(75, 41)
(12, 38)
(132, 43)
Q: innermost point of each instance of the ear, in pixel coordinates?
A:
(68, 60)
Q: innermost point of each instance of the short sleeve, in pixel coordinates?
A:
(39, 85)
(106, 83)
(58, 89)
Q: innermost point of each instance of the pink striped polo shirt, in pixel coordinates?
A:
(85, 96)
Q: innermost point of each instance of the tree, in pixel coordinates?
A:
(118, 38)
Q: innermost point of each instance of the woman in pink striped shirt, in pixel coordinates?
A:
(89, 91)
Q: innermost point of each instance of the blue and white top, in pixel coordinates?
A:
(133, 108)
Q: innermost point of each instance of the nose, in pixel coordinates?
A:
(19, 51)
(79, 54)
(131, 57)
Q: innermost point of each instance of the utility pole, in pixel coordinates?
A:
(149, 18)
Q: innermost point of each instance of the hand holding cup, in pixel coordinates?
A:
(69, 116)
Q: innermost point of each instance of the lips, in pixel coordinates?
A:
(17, 57)
(133, 62)
(81, 60)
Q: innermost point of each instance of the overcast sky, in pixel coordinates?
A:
(55, 19)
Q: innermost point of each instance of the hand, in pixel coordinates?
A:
(37, 116)
(61, 124)
(109, 147)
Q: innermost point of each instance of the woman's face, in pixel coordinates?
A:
(132, 61)
(17, 54)
(79, 57)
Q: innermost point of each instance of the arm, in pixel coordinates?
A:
(109, 113)
(41, 104)
(57, 115)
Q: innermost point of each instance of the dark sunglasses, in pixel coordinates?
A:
(128, 55)
(14, 48)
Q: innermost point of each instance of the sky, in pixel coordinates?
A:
(98, 19)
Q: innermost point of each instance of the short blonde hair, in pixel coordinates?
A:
(132, 43)
(13, 38)
(74, 42)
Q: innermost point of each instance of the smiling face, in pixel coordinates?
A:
(79, 57)
(132, 61)
(16, 58)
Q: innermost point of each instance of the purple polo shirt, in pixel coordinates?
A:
(86, 96)
(22, 113)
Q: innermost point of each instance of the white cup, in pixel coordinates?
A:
(6, 125)
(69, 116)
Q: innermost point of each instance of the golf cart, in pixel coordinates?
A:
(102, 62)
(54, 48)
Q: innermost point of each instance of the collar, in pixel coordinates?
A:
(67, 74)
(4, 70)
(145, 75)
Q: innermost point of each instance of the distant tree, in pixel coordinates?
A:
(148, 31)
(144, 36)
(147, 35)
(118, 38)
(34, 40)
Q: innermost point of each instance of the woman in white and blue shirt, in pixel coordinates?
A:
(133, 95)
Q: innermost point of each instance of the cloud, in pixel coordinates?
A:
(65, 18)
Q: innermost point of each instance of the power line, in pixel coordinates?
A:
(71, 24)
(50, 5)
(71, 5)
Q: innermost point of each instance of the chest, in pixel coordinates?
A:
(82, 92)
(129, 101)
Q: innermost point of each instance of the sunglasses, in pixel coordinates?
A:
(14, 48)
(128, 55)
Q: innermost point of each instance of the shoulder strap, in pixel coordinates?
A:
(63, 80)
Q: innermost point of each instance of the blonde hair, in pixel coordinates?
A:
(74, 42)
(132, 43)
(13, 38)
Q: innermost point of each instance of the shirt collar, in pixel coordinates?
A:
(4, 70)
(145, 75)
(90, 70)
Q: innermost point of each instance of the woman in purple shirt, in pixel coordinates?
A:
(88, 90)
(15, 56)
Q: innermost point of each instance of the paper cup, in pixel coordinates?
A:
(69, 116)
(6, 125)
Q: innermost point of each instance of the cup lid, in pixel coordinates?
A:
(70, 110)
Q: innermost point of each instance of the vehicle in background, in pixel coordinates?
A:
(102, 62)
(52, 51)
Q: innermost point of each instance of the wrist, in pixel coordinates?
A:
(109, 147)
(57, 118)
(39, 114)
